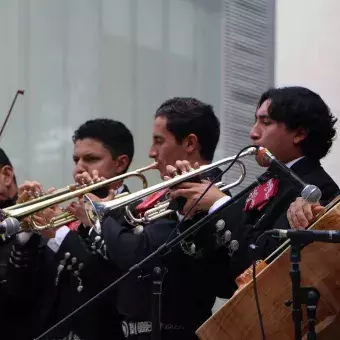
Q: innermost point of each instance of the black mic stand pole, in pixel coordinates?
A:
(162, 250)
(301, 295)
(158, 274)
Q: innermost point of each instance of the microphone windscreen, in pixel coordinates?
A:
(11, 225)
(311, 194)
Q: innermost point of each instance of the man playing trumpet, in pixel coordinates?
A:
(183, 127)
(61, 264)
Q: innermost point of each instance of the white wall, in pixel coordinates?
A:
(308, 54)
(81, 59)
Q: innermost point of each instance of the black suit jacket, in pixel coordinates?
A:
(190, 284)
(246, 227)
(85, 272)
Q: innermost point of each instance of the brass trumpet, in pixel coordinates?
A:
(96, 211)
(161, 208)
(22, 210)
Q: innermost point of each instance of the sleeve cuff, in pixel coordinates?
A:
(24, 237)
(54, 243)
(219, 203)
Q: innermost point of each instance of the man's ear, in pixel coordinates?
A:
(122, 163)
(8, 175)
(190, 143)
(300, 135)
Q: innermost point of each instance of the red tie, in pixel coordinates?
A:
(150, 201)
(261, 195)
(74, 225)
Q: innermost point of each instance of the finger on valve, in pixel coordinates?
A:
(183, 166)
(83, 179)
(30, 186)
(23, 197)
(29, 190)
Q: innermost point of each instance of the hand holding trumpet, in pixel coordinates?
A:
(191, 190)
(30, 190)
(76, 208)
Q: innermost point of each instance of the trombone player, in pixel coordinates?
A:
(61, 263)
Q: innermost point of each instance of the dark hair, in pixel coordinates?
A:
(189, 115)
(114, 135)
(4, 160)
(298, 107)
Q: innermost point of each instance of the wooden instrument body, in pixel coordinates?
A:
(320, 268)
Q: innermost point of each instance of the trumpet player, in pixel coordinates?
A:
(297, 126)
(189, 128)
(8, 196)
(62, 263)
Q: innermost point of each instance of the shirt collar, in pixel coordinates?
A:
(119, 190)
(291, 163)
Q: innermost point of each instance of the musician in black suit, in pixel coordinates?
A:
(58, 269)
(297, 126)
(8, 196)
(183, 128)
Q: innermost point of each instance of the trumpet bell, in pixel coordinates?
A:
(94, 212)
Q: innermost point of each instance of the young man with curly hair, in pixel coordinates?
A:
(297, 127)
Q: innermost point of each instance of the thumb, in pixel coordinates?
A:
(93, 197)
(110, 196)
(318, 209)
(205, 181)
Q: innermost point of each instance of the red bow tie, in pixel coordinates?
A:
(261, 195)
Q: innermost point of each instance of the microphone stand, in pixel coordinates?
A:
(161, 251)
(308, 296)
(157, 281)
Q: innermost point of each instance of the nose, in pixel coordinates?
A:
(254, 133)
(152, 152)
(79, 168)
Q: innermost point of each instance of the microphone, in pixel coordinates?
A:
(9, 226)
(310, 193)
(330, 236)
